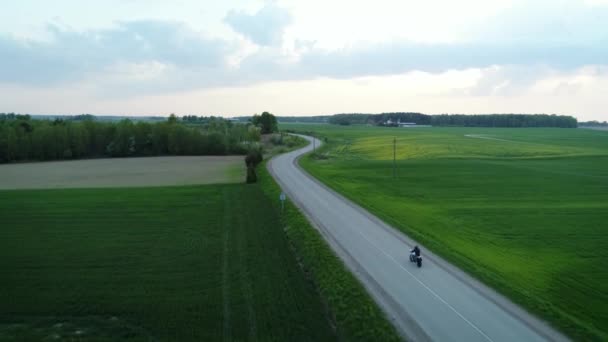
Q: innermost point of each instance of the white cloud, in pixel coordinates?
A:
(338, 24)
(580, 93)
(70, 55)
(430, 56)
(546, 23)
(265, 27)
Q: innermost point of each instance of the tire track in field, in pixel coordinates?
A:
(244, 274)
(487, 137)
(226, 324)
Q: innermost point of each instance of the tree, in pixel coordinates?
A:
(267, 122)
(253, 158)
(3, 142)
(123, 143)
(253, 133)
(172, 119)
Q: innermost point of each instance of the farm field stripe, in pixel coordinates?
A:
(245, 278)
(226, 227)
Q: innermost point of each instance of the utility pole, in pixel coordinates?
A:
(394, 157)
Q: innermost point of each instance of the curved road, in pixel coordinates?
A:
(437, 302)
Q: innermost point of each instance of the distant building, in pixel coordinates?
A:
(398, 123)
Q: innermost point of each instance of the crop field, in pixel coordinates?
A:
(123, 172)
(197, 263)
(524, 210)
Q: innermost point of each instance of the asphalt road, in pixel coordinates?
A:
(437, 302)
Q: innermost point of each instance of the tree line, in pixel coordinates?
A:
(350, 119)
(24, 139)
(505, 120)
(482, 120)
(594, 123)
(304, 119)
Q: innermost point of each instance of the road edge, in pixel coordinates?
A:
(408, 329)
(539, 325)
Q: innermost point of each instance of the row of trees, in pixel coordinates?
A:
(484, 120)
(304, 119)
(350, 119)
(22, 138)
(193, 119)
(594, 123)
(505, 120)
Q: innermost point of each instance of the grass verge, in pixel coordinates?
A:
(357, 317)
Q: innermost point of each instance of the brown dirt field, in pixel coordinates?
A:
(123, 172)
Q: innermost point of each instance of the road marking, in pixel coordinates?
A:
(319, 198)
(483, 136)
(426, 287)
(289, 162)
(313, 184)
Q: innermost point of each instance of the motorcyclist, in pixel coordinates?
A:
(416, 251)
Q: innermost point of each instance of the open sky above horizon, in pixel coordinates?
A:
(312, 57)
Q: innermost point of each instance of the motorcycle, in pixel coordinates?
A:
(416, 259)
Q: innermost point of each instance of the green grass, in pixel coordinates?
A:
(194, 263)
(525, 210)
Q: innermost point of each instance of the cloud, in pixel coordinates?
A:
(505, 80)
(399, 57)
(265, 27)
(415, 91)
(543, 21)
(70, 55)
(153, 56)
(517, 81)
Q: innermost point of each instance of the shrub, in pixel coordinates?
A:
(251, 175)
(253, 158)
(277, 139)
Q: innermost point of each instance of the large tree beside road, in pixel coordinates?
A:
(266, 121)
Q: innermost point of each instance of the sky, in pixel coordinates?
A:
(311, 57)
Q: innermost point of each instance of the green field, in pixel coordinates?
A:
(196, 263)
(525, 210)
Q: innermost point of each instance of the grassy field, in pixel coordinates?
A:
(525, 210)
(123, 172)
(197, 263)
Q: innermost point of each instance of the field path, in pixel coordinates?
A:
(437, 302)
